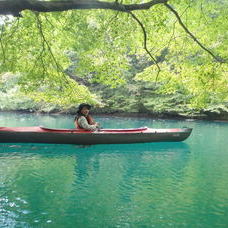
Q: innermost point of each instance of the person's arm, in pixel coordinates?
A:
(82, 121)
(91, 120)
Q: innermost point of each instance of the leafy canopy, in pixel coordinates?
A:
(40, 46)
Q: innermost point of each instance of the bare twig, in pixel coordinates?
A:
(39, 23)
(7, 36)
(172, 35)
(217, 58)
(114, 17)
(39, 57)
(2, 46)
(59, 67)
(16, 26)
(202, 13)
(145, 42)
(47, 19)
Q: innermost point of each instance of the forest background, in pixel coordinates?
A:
(166, 60)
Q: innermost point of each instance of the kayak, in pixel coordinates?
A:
(40, 134)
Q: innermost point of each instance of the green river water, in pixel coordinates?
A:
(182, 184)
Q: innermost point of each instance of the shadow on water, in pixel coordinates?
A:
(59, 150)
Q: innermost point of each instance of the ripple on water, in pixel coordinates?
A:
(146, 185)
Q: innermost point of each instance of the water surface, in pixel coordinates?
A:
(135, 185)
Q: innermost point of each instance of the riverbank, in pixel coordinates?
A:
(209, 116)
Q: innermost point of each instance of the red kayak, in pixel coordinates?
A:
(84, 137)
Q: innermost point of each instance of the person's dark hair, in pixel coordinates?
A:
(80, 107)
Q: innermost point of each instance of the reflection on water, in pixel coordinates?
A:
(132, 154)
(137, 185)
(41, 181)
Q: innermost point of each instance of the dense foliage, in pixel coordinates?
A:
(45, 50)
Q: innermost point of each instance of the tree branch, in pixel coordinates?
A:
(59, 67)
(16, 6)
(39, 23)
(145, 42)
(217, 58)
(2, 46)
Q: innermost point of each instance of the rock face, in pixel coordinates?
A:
(219, 112)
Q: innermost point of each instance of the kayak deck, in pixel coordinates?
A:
(45, 129)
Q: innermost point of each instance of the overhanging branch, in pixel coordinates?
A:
(1, 44)
(217, 58)
(145, 42)
(16, 6)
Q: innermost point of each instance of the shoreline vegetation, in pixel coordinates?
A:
(134, 99)
(98, 112)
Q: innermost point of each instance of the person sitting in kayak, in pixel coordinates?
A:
(83, 120)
